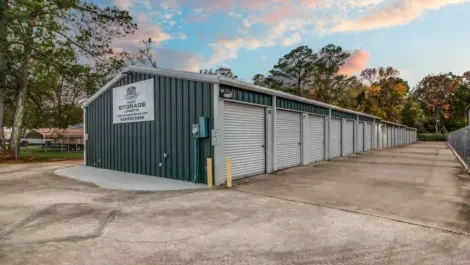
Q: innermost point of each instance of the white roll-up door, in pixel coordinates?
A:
(360, 137)
(316, 138)
(368, 136)
(395, 135)
(375, 139)
(399, 136)
(348, 138)
(244, 139)
(384, 137)
(390, 136)
(380, 136)
(335, 138)
(287, 139)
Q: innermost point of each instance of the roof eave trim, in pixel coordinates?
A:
(156, 71)
(242, 85)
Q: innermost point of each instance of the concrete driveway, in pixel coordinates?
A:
(275, 219)
(421, 183)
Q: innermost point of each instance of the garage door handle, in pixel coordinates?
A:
(300, 143)
(263, 145)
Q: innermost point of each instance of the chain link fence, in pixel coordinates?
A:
(460, 141)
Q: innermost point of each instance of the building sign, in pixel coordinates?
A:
(215, 137)
(134, 102)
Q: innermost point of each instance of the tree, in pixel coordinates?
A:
(328, 86)
(41, 28)
(294, 69)
(4, 5)
(412, 114)
(222, 71)
(384, 93)
(259, 80)
(437, 92)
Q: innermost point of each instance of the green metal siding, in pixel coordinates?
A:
(139, 147)
(343, 115)
(300, 106)
(249, 96)
(367, 119)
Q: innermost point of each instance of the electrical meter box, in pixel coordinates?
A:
(201, 129)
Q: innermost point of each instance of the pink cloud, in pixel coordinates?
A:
(278, 14)
(393, 15)
(146, 29)
(355, 63)
(310, 3)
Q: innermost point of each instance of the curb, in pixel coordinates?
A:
(459, 158)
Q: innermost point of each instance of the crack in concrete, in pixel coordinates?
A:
(361, 213)
(182, 239)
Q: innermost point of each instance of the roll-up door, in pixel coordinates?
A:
(348, 138)
(360, 137)
(287, 139)
(244, 139)
(335, 138)
(380, 136)
(383, 141)
(390, 136)
(375, 141)
(368, 136)
(395, 136)
(316, 138)
(399, 136)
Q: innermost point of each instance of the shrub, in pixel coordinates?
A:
(432, 137)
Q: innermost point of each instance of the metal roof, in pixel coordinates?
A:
(225, 81)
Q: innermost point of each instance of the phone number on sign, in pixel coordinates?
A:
(133, 118)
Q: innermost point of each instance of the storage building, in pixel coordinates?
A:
(167, 123)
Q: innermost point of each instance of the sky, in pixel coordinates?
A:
(417, 37)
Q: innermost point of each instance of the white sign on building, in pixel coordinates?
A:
(134, 102)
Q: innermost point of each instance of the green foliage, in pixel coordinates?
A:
(43, 41)
(37, 153)
(432, 137)
(293, 70)
(222, 71)
(438, 101)
(328, 85)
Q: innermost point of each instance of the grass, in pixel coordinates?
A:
(36, 153)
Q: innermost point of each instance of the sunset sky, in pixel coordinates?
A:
(415, 36)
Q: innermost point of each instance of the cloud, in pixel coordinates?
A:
(126, 4)
(310, 3)
(223, 50)
(178, 60)
(293, 39)
(355, 63)
(146, 29)
(278, 14)
(393, 15)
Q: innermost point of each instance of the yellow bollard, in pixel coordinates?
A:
(209, 173)
(228, 164)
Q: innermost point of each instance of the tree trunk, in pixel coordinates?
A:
(437, 120)
(3, 68)
(15, 140)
